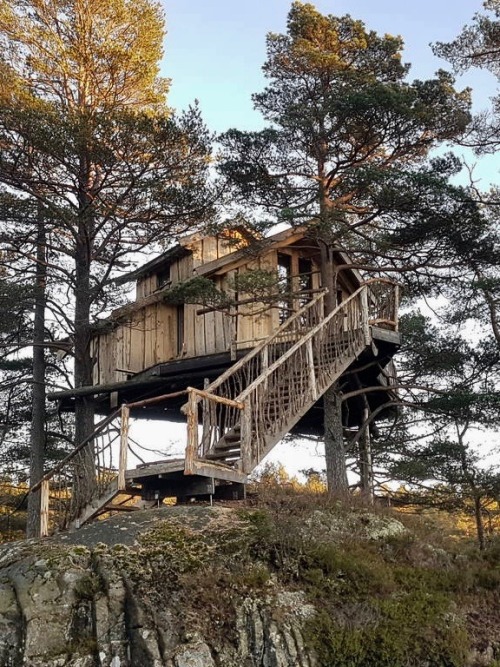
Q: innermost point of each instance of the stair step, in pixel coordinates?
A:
(233, 437)
(225, 446)
(222, 457)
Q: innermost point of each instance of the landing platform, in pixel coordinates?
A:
(164, 479)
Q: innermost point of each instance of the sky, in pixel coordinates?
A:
(215, 49)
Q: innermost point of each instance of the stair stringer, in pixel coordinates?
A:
(98, 504)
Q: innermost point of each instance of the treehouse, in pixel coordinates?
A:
(229, 332)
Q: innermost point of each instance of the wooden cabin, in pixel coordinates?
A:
(247, 364)
(153, 346)
(151, 331)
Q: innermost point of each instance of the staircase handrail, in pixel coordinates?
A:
(303, 340)
(264, 343)
(74, 452)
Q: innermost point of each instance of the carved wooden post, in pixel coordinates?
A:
(192, 432)
(310, 364)
(365, 323)
(246, 437)
(122, 463)
(44, 508)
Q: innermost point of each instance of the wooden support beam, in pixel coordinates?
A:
(122, 463)
(44, 508)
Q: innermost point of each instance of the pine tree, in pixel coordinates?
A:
(344, 151)
(85, 132)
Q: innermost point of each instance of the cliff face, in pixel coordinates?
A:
(135, 594)
(222, 587)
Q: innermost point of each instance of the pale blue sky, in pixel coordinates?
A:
(215, 48)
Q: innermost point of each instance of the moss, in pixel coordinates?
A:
(401, 631)
(88, 586)
(355, 569)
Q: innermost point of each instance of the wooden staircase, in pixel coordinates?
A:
(243, 414)
(253, 405)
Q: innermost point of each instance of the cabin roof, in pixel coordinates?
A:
(257, 245)
(176, 252)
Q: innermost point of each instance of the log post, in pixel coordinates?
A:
(192, 432)
(246, 437)
(206, 413)
(310, 365)
(122, 463)
(44, 508)
(264, 363)
(365, 322)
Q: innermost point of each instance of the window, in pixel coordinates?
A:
(163, 278)
(285, 277)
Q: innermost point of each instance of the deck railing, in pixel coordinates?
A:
(86, 472)
(268, 390)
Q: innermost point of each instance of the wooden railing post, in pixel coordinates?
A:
(312, 373)
(206, 419)
(365, 317)
(246, 438)
(192, 432)
(44, 508)
(122, 462)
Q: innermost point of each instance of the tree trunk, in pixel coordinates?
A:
(336, 471)
(37, 436)
(478, 515)
(365, 456)
(85, 478)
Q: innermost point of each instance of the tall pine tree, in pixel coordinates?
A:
(85, 132)
(343, 152)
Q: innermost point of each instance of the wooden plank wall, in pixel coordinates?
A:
(150, 337)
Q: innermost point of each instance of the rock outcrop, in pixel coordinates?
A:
(290, 586)
(101, 596)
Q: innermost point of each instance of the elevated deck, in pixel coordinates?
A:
(167, 479)
(176, 375)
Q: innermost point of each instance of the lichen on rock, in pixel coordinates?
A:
(196, 586)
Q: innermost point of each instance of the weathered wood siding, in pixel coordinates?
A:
(151, 336)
